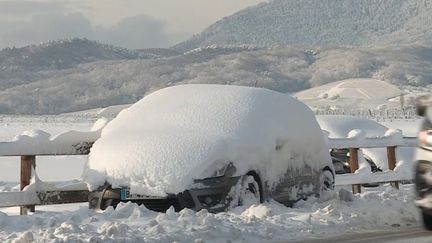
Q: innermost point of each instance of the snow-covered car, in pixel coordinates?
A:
(209, 147)
(423, 171)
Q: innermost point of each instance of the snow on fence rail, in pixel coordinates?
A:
(377, 142)
(40, 143)
(79, 143)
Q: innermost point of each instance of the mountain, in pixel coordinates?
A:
(285, 69)
(283, 45)
(27, 64)
(321, 23)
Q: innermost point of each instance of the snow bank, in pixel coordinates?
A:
(163, 142)
(343, 213)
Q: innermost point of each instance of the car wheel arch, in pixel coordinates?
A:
(322, 173)
(258, 180)
(329, 169)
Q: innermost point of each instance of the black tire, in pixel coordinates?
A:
(249, 193)
(371, 185)
(105, 203)
(326, 182)
(427, 220)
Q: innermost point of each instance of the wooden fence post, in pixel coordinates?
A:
(28, 164)
(391, 158)
(353, 161)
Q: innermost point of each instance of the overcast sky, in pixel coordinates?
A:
(127, 23)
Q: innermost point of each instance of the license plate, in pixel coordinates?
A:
(126, 195)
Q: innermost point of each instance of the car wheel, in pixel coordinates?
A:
(427, 220)
(326, 183)
(103, 203)
(249, 191)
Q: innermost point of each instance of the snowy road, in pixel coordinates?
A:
(416, 234)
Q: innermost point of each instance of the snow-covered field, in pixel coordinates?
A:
(377, 208)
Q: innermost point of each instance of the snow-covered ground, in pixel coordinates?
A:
(269, 222)
(379, 208)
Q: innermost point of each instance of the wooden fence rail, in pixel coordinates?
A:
(354, 144)
(65, 144)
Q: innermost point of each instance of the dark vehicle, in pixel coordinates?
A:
(423, 171)
(341, 161)
(339, 126)
(341, 164)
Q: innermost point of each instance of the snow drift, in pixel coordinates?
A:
(177, 134)
(269, 222)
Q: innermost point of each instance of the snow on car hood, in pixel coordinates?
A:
(162, 143)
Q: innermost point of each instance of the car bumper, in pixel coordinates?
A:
(423, 177)
(211, 194)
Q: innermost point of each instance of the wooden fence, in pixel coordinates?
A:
(69, 143)
(391, 143)
(80, 144)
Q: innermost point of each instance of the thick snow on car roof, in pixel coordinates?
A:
(339, 126)
(177, 134)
